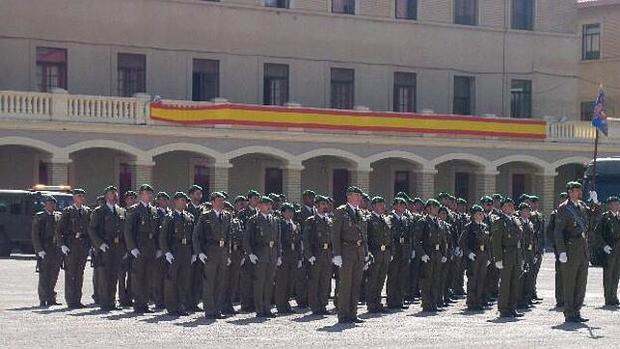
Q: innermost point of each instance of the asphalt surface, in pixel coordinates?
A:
(23, 324)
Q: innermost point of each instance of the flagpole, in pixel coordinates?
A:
(594, 162)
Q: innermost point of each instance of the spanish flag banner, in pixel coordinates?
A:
(248, 116)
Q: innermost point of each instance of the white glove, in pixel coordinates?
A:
(594, 197)
(471, 256)
(391, 258)
(535, 260)
(488, 263)
(135, 253)
(368, 257)
(253, 258)
(158, 254)
(444, 259)
(563, 257)
(169, 257)
(104, 247)
(457, 252)
(366, 265)
(193, 259)
(499, 265)
(242, 261)
(425, 258)
(41, 254)
(412, 254)
(65, 250)
(203, 258)
(311, 260)
(279, 262)
(228, 261)
(300, 264)
(607, 249)
(337, 261)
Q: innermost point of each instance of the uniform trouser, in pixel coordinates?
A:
(320, 282)
(264, 274)
(285, 278)
(96, 272)
(447, 271)
(246, 286)
(535, 271)
(231, 292)
(508, 288)
(458, 279)
(611, 271)
(75, 263)
(157, 285)
(214, 280)
(414, 284)
(350, 278)
(575, 278)
(196, 288)
(49, 268)
(142, 277)
(178, 279)
(430, 279)
(301, 284)
(559, 284)
(526, 291)
(109, 270)
(476, 279)
(124, 280)
(398, 278)
(376, 279)
(492, 283)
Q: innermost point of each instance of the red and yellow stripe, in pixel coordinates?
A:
(341, 120)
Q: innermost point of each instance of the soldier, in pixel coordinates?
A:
(526, 289)
(318, 254)
(231, 294)
(124, 280)
(398, 272)
(72, 237)
(507, 241)
(262, 245)
(609, 235)
(573, 223)
(416, 213)
(45, 247)
(105, 231)
(476, 243)
(246, 288)
(159, 271)
(461, 219)
(380, 247)
(559, 285)
(175, 241)
(492, 280)
(195, 207)
(306, 211)
(292, 256)
(447, 266)
(350, 248)
(430, 246)
(537, 219)
(240, 203)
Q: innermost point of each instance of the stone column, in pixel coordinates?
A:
(544, 188)
(292, 182)
(425, 183)
(58, 171)
(485, 183)
(360, 177)
(143, 173)
(219, 178)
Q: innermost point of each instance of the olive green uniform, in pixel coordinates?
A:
(231, 293)
(291, 237)
(43, 239)
(430, 242)
(559, 285)
(538, 221)
(197, 268)
(246, 285)
(398, 274)
(609, 233)
(317, 244)
(507, 243)
(525, 292)
(380, 246)
(159, 274)
(477, 240)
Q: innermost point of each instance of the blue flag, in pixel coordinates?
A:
(599, 114)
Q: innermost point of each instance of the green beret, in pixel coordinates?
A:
(523, 197)
(366, 197)
(402, 195)
(432, 202)
(216, 195)
(354, 190)
(239, 198)
(109, 189)
(145, 187)
(461, 201)
(320, 198)
(534, 198)
(443, 195)
(131, 194)
(78, 191)
(451, 197)
(287, 206)
(194, 188)
(573, 185)
(486, 200)
(443, 209)
(524, 205)
(377, 199)
(309, 193)
(497, 197)
(253, 193)
(476, 209)
(563, 195)
(225, 194)
(180, 195)
(228, 205)
(418, 200)
(266, 200)
(399, 200)
(275, 197)
(297, 206)
(49, 198)
(330, 199)
(507, 200)
(613, 198)
(282, 197)
(163, 194)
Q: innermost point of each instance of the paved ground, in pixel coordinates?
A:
(23, 325)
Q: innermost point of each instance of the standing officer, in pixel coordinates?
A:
(231, 294)
(380, 247)
(175, 241)
(537, 219)
(105, 231)
(246, 288)
(159, 271)
(303, 275)
(291, 240)
(430, 246)
(492, 280)
(476, 243)
(262, 245)
(573, 223)
(350, 250)
(195, 207)
(507, 237)
(609, 234)
(72, 237)
(526, 290)
(318, 254)
(141, 231)
(398, 271)
(559, 285)
(211, 241)
(48, 254)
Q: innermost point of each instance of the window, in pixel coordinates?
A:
(591, 41)
(518, 185)
(401, 182)
(466, 12)
(521, 99)
(342, 88)
(205, 79)
(587, 111)
(275, 84)
(273, 180)
(124, 180)
(201, 178)
(404, 92)
(43, 173)
(343, 6)
(463, 95)
(51, 68)
(407, 9)
(461, 185)
(131, 74)
(340, 183)
(277, 3)
(523, 14)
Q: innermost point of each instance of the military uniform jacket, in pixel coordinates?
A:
(317, 236)
(402, 233)
(106, 225)
(73, 224)
(609, 229)
(176, 231)
(44, 227)
(349, 229)
(538, 221)
(262, 237)
(551, 228)
(245, 215)
(195, 211)
(506, 237)
(476, 239)
(142, 226)
(236, 235)
(573, 222)
(431, 240)
(291, 240)
(212, 233)
(529, 240)
(379, 234)
(304, 213)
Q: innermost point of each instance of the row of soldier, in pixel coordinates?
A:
(262, 251)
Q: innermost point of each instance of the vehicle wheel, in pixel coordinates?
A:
(5, 246)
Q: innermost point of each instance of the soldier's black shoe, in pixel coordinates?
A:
(506, 314)
(270, 314)
(572, 319)
(475, 308)
(536, 298)
(212, 316)
(404, 307)
(230, 311)
(581, 319)
(76, 306)
(53, 302)
(43, 304)
(515, 314)
(357, 320)
(559, 305)
(194, 309)
(345, 321)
